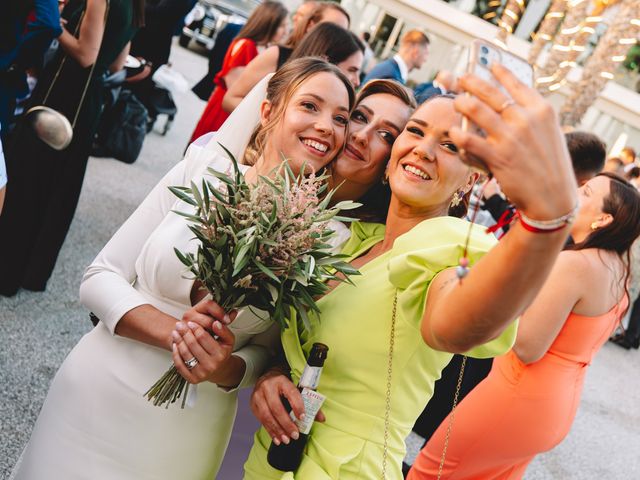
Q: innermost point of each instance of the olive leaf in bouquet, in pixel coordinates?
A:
(262, 246)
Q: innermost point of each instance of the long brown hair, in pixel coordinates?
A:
(328, 41)
(375, 202)
(623, 204)
(282, 86)
(314, 17)
(264, 22)
(138, 13)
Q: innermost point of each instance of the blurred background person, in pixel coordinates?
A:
(204, 88)
(633, 176)
(336, 45)
(444, 82)
(27, 28)
(628, 157)
(414, 48)
(368, 53)
(161, 18)
(46, 183)
(303, 11)
(267, 24)
(614, 165)
(274, 57)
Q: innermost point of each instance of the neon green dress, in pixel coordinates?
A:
(356, 325)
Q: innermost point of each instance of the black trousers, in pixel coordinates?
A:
(41, 199)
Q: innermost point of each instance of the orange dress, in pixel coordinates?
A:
(519, 410)
(240, 53)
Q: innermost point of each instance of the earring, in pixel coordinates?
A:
(385, 177)
(594, 226)
(457, 198)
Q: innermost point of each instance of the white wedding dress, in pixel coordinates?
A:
(95, 423)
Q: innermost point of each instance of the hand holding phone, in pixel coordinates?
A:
(482, 55)
(517, 137)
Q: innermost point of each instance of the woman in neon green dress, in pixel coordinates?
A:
(411, 264)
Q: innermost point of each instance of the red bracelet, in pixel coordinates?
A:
(530, 228)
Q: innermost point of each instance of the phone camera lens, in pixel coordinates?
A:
(484, 61)
(484, 50)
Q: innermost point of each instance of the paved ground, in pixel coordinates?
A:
(38, 330)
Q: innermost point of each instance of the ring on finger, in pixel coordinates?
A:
(506, 104)
(191, 363)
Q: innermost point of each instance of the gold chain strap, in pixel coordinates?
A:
(387, 408)
(64, 59)
(453, 412)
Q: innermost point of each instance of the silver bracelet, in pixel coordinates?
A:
(553, 224)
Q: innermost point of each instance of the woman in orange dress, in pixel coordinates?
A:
(529, 400)
(267, 24)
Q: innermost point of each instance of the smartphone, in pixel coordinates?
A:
(482, 55)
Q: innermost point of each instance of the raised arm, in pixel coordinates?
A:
(526, 152)
(262, 65)
(86, 47)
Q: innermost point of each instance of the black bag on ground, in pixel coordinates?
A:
(122, 129)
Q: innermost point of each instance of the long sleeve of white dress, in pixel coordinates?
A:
(107, 286)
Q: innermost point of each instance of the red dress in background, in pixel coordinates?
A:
(519, 410)
(240, 53)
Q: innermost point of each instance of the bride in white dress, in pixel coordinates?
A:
(95, 423)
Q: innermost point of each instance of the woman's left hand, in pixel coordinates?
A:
(524, 146)
(212, 355)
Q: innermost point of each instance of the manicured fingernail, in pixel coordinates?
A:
(295, 435)
(176, 336)
(174, 347)
(180, 326)
(192, 325)
(285, 439)
(276, 441)
(226, 319)
(301, 416)
(217, 325)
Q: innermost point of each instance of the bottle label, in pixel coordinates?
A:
(312, 403)
(310, 377)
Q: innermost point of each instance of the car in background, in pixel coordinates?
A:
(208, 17)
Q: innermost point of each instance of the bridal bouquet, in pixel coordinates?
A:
(261, 246)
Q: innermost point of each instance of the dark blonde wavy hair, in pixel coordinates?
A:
(280, 89)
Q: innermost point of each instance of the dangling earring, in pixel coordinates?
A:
(385, 177)
(457, 198)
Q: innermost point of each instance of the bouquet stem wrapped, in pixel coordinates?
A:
(261, 246)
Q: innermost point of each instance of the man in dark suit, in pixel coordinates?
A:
(414, 47)
(445, 82)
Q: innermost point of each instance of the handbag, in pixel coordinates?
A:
(49, 125)
(122, 129)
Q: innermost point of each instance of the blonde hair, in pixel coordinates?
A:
(414, 37)
(281, 89)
